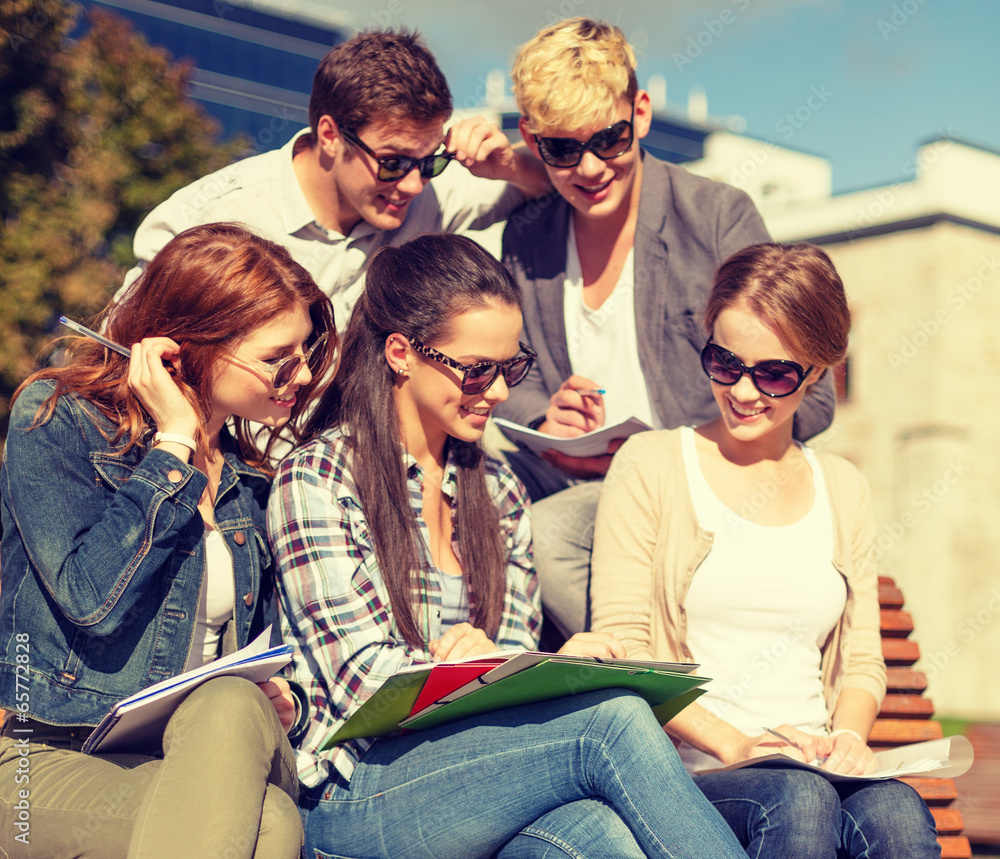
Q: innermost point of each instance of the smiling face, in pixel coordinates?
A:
(429, 396)
(596, 188)
(360, 196)
(241, 390)
(747, 414)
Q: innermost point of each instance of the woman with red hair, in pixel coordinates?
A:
(134, 549)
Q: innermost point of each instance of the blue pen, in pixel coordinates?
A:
(93, 335)
(591, 391)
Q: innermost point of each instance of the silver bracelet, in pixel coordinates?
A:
(177, 438)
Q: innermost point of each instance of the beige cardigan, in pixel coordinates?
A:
(648, 545)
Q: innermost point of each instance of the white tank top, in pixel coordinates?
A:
(217, 600)
(759, 608)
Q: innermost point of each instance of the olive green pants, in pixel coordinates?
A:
(224, 787)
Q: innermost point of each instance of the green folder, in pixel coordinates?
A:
(556, 679)
(382, 713)
(665, 712)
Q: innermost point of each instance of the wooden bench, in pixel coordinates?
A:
(979, 788)
(906, 718)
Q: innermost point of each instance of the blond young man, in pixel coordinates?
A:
(616, 267)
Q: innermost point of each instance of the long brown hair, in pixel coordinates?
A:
(416, 290)
(207, 289)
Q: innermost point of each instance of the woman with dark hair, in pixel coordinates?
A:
(399, 543)
(736, 547)
(134, 549)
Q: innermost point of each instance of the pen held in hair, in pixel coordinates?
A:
(93, 335)
(124, 351)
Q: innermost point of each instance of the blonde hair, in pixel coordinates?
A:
(572, 74)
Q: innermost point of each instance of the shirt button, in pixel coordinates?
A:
(248, 599)
(240, 538)
(174, 476)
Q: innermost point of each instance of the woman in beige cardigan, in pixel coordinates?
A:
(736, 547)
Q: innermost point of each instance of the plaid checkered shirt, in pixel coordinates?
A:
(335, 607)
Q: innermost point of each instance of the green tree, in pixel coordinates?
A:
(93, 134)
(33, 80)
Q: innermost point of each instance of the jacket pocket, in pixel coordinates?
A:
(113, 471)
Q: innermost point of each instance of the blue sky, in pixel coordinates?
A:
(862, 82)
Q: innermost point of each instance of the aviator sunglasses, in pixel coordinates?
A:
(392, 168)
(773, 378)
(477, 378)
(606, 144)
(283, 370)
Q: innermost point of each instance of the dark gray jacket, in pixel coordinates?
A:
(687, 227)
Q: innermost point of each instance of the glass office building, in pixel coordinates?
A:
(254, 62)
(253, 65)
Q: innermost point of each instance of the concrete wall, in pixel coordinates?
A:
(923, 424)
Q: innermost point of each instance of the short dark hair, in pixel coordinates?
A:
(379, 74)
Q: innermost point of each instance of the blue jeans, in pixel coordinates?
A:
(592, 777)
(777, 813)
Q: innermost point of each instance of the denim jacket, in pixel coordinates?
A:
(103, 560)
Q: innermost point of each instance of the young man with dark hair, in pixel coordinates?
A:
(360, 176)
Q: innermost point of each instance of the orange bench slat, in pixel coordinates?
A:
(889, 596)
(900, 651)
(948, 820)
(934, 791)
(955, 847)
(903, 679)
(896, 623)
(896, 732)
(896, 706)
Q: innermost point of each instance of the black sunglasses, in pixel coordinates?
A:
(477, 378)
(774, 378)
(609, 143)
(392, 168)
